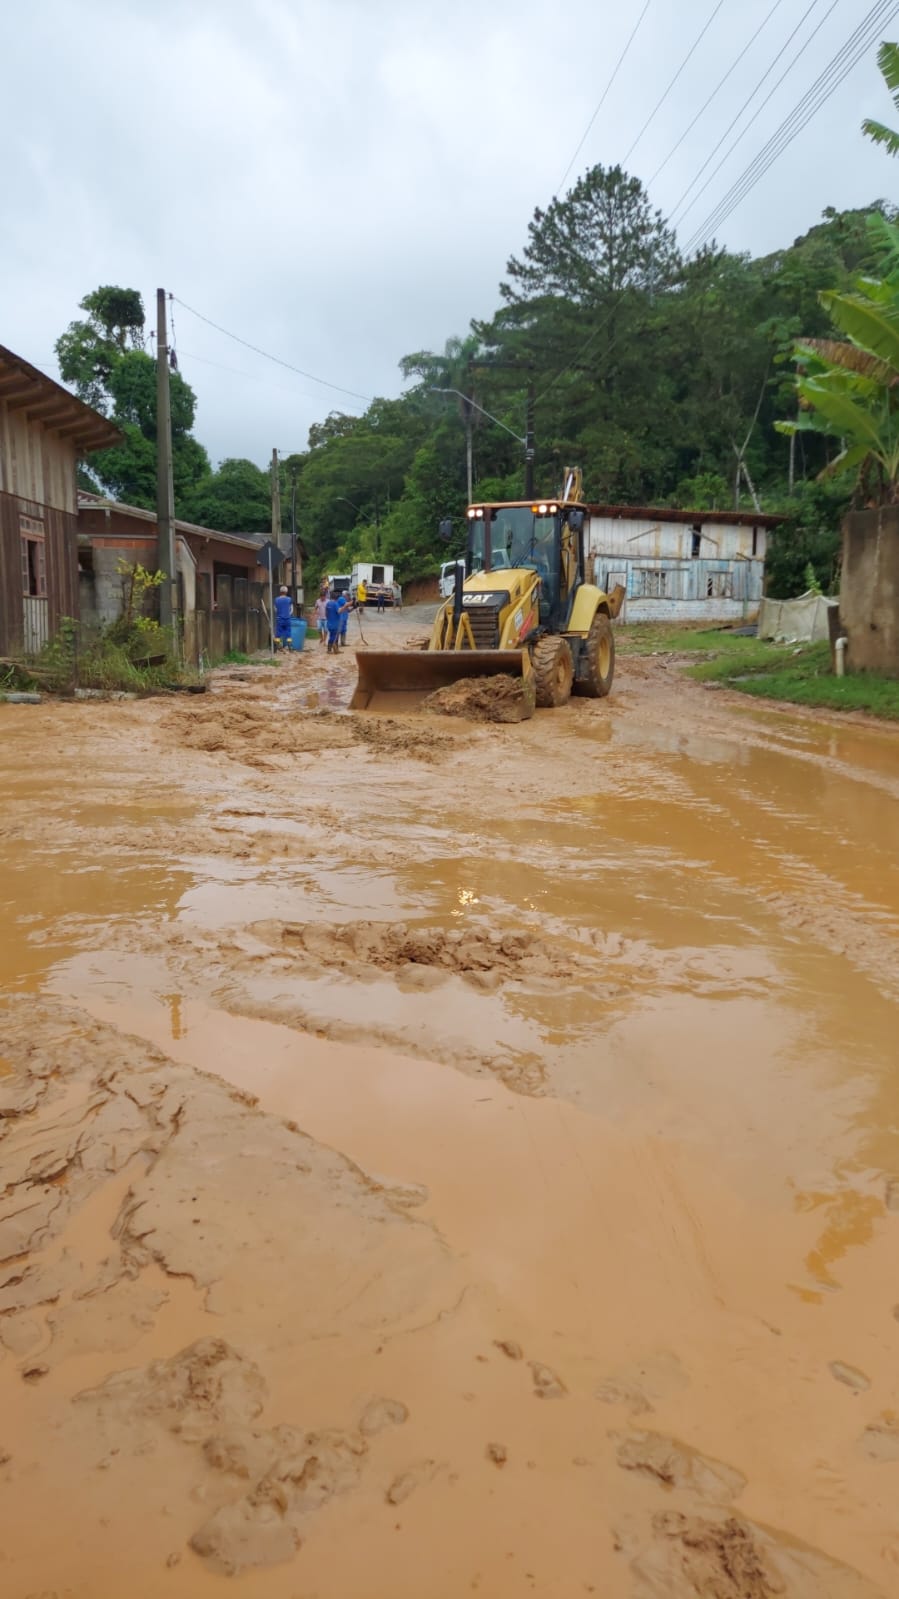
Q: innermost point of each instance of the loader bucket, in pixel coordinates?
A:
(398, 680)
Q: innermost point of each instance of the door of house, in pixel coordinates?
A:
(35, 619)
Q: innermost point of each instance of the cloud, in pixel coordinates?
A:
(343, 182)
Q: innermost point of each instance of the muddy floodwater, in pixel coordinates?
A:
(441, 1158)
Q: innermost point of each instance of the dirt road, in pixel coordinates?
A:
(442, 1158)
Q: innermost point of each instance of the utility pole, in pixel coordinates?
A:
(276, 502)
(165, 487)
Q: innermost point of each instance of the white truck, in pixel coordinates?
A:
(447, 582)
(378, 579)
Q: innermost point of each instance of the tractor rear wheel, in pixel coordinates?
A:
(598, 660)
(553, 671)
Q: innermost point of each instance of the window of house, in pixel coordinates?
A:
(696, 549)
(755, 542)
(719, 586)
(650, 583)
(34, 567)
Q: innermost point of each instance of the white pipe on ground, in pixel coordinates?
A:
(840, 653)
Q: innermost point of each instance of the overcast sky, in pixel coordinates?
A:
(342, 181)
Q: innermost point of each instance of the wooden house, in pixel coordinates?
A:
(43, 431)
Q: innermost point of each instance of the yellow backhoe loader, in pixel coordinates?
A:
(521, 607)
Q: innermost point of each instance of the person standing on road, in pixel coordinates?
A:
(361, 592)
(381, 603)
(346, 605)
(332, 615)
(320, 615)
(283, 614)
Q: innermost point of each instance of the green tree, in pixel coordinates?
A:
(235, 498)
(888, 62)
(89, 350)
(809, 537)
(453, 371)
(431, 491)
(601, 239)
(104, 358)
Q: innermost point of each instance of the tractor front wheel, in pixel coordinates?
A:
(598, 662)
(553, 671)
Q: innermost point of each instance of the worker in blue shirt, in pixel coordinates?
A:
(334, 611)
(283, 614)
(346, 606)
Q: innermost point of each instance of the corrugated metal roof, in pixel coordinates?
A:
(653, 513)
(45, 401)
(98, 502)
(667, 513)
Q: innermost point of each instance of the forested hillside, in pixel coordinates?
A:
(661, 376)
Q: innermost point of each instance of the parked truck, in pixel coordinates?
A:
(379, 583)
(447, 581)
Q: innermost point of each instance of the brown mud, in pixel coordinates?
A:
(485, 699)
(442, 1159)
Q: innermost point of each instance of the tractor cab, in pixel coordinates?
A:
(543, 537)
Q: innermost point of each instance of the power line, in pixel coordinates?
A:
(690, 53)
(715, 92)
(253, 377)
(607, 323)
(748, 101)
(310, 376)
(604, 326)
(602, 99)
(771, 92)
(827, 82)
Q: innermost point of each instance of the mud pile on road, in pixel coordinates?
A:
(210, 1397)
(251, 731)
(483, 956)
(485, 699)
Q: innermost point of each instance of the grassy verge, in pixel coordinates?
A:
(801, 674)
(239, 658)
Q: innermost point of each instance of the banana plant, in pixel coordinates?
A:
(849, 389)
(888, 62)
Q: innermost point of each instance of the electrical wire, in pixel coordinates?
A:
(847, 57)
(797, 110)
(310, 376)
(672, 215)
(597, 333)
(253, 377)
(877, 17)
(715, 92)
(602, 99)
(687, 58)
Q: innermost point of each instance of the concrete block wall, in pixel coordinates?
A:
(869, 590)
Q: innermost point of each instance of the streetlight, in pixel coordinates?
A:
(527, 441)
(359, 512)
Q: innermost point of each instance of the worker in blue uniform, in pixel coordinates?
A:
(283, 614)
(337, 606)
(346, 606)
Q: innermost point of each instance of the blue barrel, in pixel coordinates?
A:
(297, 632)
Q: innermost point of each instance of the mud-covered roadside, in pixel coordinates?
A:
(441, 1157)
